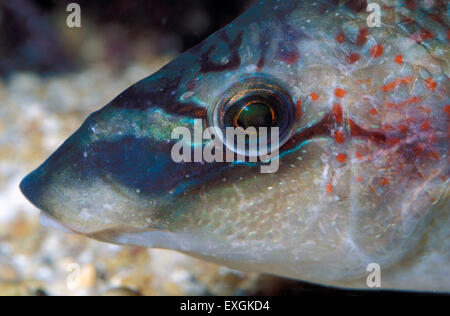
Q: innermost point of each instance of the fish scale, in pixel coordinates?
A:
(363, 172)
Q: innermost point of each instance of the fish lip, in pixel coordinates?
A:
(34, 186)
(31, 188)
(49, 221)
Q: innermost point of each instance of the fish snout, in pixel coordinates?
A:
(31, 186)
(52, 185)
(97, 185)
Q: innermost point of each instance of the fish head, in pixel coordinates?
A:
(116, 174)
(360, 156)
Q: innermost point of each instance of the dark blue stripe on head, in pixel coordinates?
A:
(145, 165)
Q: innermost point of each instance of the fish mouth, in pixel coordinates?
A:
(46, 187)
(48, 221)
(35, 185)
(75, 194)
(32, 188)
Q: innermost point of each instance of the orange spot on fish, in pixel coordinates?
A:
(426, 34)
(353, 58)
(413, 100)
(372, 189)
(339, 137)
(200, 113)
(389, 86)
(377, 50)
(367, 81)
(390, 104)
(393, 84)
(314, 96)
(421, 36)
(341, 157)
(400, 104)
(337, 111)
(340, 38)
(340, 93)
(329, 188)
(384, 182)
(424, 109)
(443, 178)
(435, 155)
(358, 155)
(403, 128)
(407, 20)
(290, 57)
(425, 126)
(298, 106)
(392, 141)
(431, 84)
(447, 109)
(418, 149)
(409, 101)
(373, 111)
(363, 35)
(387, 127)
(358, 179)
(398, 59)
(405, 80)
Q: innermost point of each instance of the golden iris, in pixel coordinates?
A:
(255, 114)
(252, 104)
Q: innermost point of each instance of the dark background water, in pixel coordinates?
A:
(31, 37)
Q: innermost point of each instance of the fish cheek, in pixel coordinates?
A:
(390, 211)
(246, 211)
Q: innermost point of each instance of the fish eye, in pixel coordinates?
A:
(252, 111)
(254, 106)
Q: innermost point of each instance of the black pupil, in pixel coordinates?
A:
(255, 114)
(254, 107)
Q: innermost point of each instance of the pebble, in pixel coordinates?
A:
(121, 292)
(8, 273)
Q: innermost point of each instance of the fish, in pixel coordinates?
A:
(359, 198)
